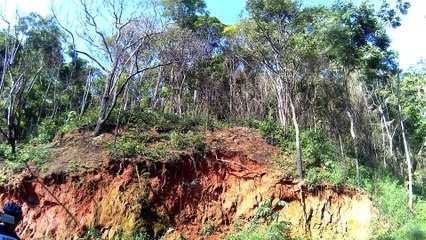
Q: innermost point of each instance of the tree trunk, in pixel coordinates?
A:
(298, 147)
(104, 103)
(354, 140)
(12, 138)
(384, 142)
(388, 134)
(86, 93)
(407, 152)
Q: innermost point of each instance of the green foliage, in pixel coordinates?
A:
(5, 150)
(332, 173)
(184, 12)
(71, 120)
(266, 213)
(16, 162)
(317, 149)
(126, 146)
(46, 132)
(265, 224)
(322, 158)
(391, 199)
(272, 132)
(208, 228)
(91, 234)
(47, 129)
(94, 234)
(134, 236)
(164, 147)
(144, 120)
(413, 100)
(272, 231)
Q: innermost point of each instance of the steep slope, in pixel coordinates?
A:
(188, 196)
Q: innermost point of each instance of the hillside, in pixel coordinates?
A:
(86, 192)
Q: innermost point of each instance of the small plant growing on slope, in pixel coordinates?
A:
(265, 224)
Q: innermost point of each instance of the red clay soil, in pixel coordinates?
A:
(191, 196)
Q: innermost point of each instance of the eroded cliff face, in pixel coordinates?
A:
(185, 195)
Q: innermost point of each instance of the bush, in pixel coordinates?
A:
(16, 162)
(46, 132)
(126, 146)
(272, 231)
(391, 199)
(264, 224)
(332, 173)
(272, 132)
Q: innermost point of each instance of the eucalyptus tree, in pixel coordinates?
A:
(119, 37)
(184, 12)
(174, 82)
(360, 55)
(283, 37)
(202, 74)
(32, 55)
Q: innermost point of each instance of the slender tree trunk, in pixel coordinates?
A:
(180, 94)
(156, 90)
(384, 142)
(86, 93)
(388, 134)
(407, 151)
(354, 140)
(298, 147)
(42, 103)
(104, 103)
(342, 146)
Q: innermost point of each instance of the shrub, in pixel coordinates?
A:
(272, 132)
(15, 162)
(391, 199)
(271, 231)
(126, 146)
(265, 224)
(332, 173)
(46, 132)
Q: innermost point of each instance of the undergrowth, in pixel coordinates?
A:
(395, 221)
(321, 158)
(264, 224)
(16, 162)
(163, 147)
(94, 234)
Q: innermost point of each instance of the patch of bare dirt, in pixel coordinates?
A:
(76, 151)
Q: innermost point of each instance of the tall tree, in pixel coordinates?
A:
(31, 53)
(283, 37)
(119, 35)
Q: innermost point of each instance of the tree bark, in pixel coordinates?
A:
(407, 151)
(354, 140)
(298, 148)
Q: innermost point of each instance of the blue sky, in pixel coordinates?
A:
(409, 39)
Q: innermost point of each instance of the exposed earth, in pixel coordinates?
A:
(83, 189)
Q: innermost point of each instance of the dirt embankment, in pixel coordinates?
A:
(192, 197)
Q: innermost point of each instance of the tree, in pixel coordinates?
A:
(184, 12)
(122, 49)
(283, 38)
(31, 50)
(360, 48)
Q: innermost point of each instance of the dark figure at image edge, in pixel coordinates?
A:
(10, 218)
